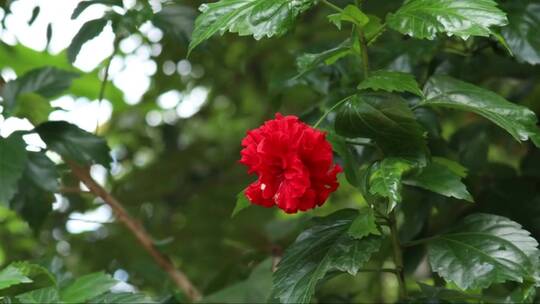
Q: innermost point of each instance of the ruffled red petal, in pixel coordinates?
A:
(294, 163)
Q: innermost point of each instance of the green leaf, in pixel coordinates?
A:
(33, 107)
(385, 118)
(521, 34)
(325, 247)
(34, 199)
(525, 293)
(88, 31)
(12, 275)
(32, 203)
(433, 294)
(351, 13)
(38, 276)
(82, 6)
(519, 121)
(364, 224)
(373, 29)
(455, 167)
(13, 158)
(391, 82)
(120, 298)
(46, 81)
(175, 20)
(350, 164)
(22, 59)
(242, 202)
(255, 289)
(42, 172)
(484, 249)
(463, 18)
(259, 18)
(439, 178)
(385, 179)
(309, 61)
(74, 143)
(39, 296)
(87, 287)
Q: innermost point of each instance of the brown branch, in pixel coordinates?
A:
(178, 277)
(73, 190)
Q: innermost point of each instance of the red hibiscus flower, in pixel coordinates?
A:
(294, 163)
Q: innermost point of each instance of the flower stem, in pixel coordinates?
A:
(398, 256)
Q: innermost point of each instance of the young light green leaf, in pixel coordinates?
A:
(46, 81)
(82, 6)
(391, 81)
(13, 157)
(521, 34)
(309, 61)
(88, 31)
(496, 250)
(387, 120)
(87, 287)
(439, 178)
(12, 275)
(373, 29)
(364, 224)
(40, 296)
(385, 179)
(451, 165)
(463, 18)
(517, 120)
(259, 18)
(242, 202)
(74, 143)
(351, 13)
(37, 277)
(323, 248)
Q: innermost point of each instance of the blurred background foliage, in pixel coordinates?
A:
(179, 175)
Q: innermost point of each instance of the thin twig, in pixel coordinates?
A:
(73, 190)
(391, 270)
(178, 277)
(104, 82)
(332, 6)
(88, 221)
(420, 241)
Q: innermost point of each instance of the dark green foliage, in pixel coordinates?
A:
(437, 203)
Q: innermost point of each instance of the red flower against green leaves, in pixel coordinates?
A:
(294, 163)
